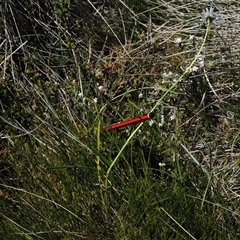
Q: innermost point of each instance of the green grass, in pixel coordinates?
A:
(68, 69)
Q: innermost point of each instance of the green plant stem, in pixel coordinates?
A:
(119, 154)
(158, 102)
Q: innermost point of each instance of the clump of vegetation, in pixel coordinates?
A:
(69, 68)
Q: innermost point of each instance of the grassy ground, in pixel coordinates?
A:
(70, 68)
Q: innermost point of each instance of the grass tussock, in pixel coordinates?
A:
(69, 68)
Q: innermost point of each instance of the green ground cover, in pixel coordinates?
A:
(70, 68)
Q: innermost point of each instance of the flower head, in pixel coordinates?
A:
(208, 13)
(178, 40)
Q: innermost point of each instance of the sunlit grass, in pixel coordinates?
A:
(70, 72)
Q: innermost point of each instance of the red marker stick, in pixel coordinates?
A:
(130, 121)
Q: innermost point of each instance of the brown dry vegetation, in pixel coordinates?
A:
(68, 66)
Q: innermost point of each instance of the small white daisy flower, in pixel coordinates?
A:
(194, 69)
(101, 88)
(151, 122)
(167, 75)
(178, 40)
(172, 117)
(191, 37)
(161, 164)
(160, 124)
(208, 13)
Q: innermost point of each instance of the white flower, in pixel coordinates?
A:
(151, 122)
(201, 61)
(191, 37)
(160, 124)
(208, 13)
(178, 40)
(161, 164)
(194, 69)
(172, 117)
(140, 95)
(101, 88)
(167, 75)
